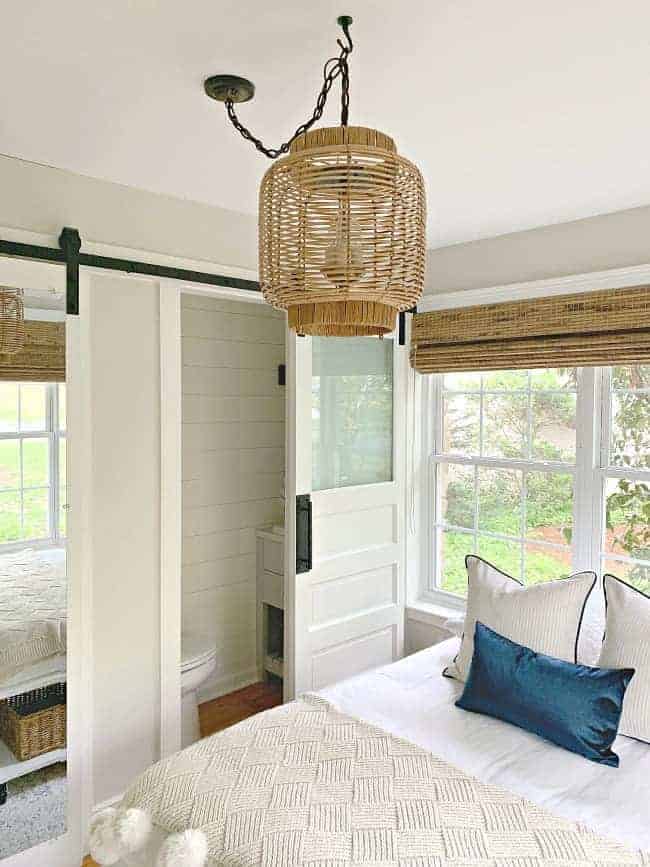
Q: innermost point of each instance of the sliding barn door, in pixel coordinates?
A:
(345, 546)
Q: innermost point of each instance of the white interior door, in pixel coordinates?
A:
(346, 450)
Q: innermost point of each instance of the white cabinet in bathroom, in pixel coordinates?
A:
(270, 602)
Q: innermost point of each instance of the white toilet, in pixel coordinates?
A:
(198, 661)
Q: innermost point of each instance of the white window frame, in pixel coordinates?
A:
(54, 435)
(591, 472)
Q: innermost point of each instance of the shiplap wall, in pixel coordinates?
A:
(233, 461)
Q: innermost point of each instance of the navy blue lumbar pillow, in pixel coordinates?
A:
(574, 706)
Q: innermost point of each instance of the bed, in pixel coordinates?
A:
(33, 639)
(32, 585)
(411, 699)
(410, 705)
(33, 603)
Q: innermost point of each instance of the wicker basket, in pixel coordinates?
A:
(35, 722)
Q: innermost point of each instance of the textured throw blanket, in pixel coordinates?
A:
(304, 784)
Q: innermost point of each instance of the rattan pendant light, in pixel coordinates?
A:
(341, 218)
(12, 321)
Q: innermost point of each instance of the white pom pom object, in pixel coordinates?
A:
(104, 845)
(132, 829)
(188, 849)
(116, 833)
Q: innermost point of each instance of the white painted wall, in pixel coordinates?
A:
(423, 628)
(614, 240)
(233, 461)
(43, 199)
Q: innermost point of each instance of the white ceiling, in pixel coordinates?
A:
(518, 113)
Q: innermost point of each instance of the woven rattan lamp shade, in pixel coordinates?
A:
(587, 329)
(342, 233)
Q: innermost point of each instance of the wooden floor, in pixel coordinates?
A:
(230, 709)
(236, 706)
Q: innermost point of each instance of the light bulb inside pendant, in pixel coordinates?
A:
(343, 260)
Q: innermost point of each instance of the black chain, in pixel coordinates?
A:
(334, 67)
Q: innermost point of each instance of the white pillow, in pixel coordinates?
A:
(544, 617)
(627, 645)
(592, 630)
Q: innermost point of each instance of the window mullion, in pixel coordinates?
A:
(476, 512)
(431, 558)
(480, 418)
(53, 439)
(603, 416)
(523, 507)
(439, 437)
(587, 495)
(524, 476)
(22, 490)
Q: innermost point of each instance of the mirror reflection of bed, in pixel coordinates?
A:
(33, 587)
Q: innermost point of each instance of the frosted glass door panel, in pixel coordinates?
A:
(352, 411)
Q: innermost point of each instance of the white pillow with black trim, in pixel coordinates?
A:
(545, 617)
(627, 645)
(592, 629)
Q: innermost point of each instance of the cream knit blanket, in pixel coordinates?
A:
(304, 784)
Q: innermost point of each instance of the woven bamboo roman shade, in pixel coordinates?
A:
(42, 358)
(580, 330)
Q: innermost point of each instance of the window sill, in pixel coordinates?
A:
(31, 545)
(432, 613)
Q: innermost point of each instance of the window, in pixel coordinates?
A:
(352, 411)
(625, 548)
(517, 477)
(32, 462)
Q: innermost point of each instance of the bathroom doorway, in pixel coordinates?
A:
(231, 356)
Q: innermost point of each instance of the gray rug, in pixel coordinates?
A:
(35, 810)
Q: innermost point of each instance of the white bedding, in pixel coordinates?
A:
(32, 586)
(412, 700)
(33, 603)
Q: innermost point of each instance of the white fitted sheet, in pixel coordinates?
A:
(412, 699)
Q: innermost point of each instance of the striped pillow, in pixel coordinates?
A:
(544, 617)
(627, 645)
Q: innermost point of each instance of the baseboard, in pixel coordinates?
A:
(217, 687)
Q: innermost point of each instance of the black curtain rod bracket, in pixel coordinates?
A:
(401, 326)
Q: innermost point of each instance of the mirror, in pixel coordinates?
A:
(33, 586)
